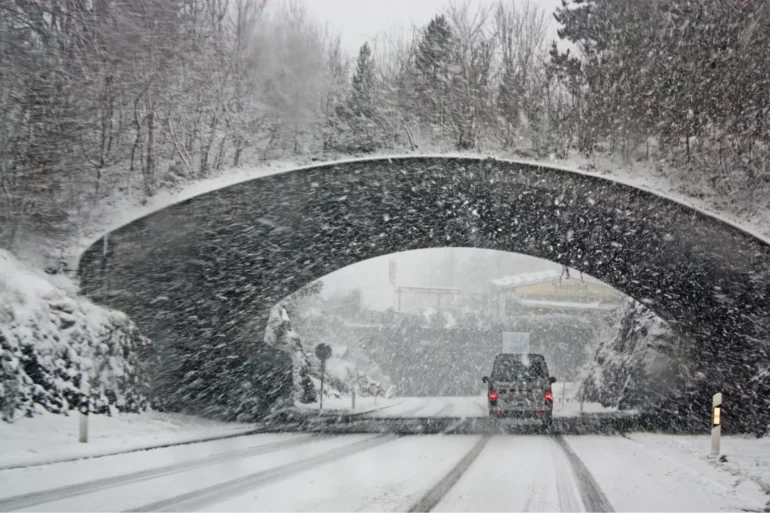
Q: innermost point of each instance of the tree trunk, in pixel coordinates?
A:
(204, 165)
(149, 168)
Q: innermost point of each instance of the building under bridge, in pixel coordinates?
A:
(550, 291)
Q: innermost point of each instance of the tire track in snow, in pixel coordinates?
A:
(423, 404)
(198, 499)
(592, 495)
(448, 406)
(64, 492)
(428, 501)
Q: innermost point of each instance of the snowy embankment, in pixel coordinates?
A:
(341, 373)
(639, 364)
(653, 472)
(745, 457)
(51, 339)
(51, 438)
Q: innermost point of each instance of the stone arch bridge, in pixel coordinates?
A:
(200, 276)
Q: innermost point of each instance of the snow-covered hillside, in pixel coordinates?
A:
(638, 364)
(50, 338)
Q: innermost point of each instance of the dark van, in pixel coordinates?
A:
(520, 386)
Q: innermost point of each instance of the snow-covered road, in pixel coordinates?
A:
(565, 405)
(300, 472)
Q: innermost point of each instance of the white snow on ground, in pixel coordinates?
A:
(35, 479)
(567, 404)
(471, 406)
(344, 404)
(641, 472)
(135, 495)
(461, 407)
(49, 437)
(515, 473)
(746, 456)
(387, 478)
(410, 407)
(636, 477)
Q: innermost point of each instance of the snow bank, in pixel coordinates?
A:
(50, 438)
(745, 457)
(50, 338)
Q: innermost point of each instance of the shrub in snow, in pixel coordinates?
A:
(340, 371)
(639, 365)
(280, 335)
(50, 338)
(308, 389)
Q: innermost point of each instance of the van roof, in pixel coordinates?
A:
(519, 355)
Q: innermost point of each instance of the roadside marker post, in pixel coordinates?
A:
(716, 423)
(563, 391)
(582, 400)
(85, 390)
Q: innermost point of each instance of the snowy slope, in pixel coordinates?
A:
(642, 477)
(51, 438)
(747, 458)
(639, 364)
(50, 338)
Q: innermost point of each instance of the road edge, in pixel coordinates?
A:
(149, 447)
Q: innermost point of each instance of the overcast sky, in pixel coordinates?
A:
(359, 21)
(469, 269)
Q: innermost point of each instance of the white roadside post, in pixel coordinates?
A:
(582, 399)
(85, 390)
(563, 391)
(716, 423)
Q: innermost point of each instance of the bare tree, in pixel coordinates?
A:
(473, 55)
(520, 31)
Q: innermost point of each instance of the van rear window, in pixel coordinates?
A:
(516, 369)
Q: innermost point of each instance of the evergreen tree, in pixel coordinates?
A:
(432, 71)
(361, 129)
(361, 103)
(309, 394)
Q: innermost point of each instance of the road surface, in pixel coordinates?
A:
(565, 404)
(303, 472)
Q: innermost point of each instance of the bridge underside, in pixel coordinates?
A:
(200, 276)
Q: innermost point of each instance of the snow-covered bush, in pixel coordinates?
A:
(640, 364)
(341, 371)
(279, 334)
(50, 339)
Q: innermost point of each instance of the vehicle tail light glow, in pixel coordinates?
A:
(548, 395)
(493, 395)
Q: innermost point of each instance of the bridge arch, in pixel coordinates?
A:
(194, 274)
